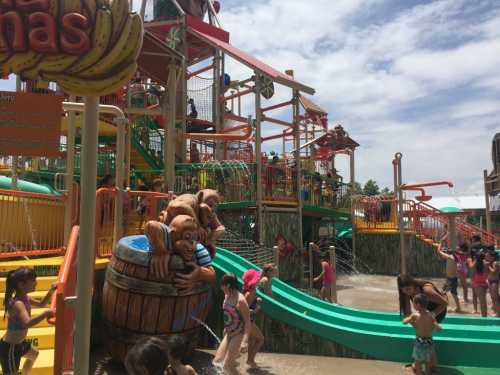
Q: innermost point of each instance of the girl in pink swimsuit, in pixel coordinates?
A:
(479, 281)
(327, 276)
(462, 270)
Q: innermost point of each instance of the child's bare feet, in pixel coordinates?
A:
(458, 311)
(252, 365)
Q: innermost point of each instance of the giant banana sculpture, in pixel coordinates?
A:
(89, 47)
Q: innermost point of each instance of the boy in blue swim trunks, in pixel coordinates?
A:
(424, 323)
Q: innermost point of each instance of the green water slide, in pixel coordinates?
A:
(464, 341)
(6, 183)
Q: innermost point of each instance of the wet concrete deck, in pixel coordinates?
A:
(289, 364)
(375, 292)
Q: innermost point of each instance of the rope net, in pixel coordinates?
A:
(200, 89)
(246, 248)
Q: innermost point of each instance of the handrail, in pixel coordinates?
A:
(27, 194)
(64, 319)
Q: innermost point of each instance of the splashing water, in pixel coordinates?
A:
(208, 329)
(218, 367)
(30, 223)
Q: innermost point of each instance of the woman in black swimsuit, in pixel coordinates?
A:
(409, 287)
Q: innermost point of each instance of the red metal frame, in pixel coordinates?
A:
(65, 314)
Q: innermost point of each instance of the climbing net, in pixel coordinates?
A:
(246, 248)
(200, 89)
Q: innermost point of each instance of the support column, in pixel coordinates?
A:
(183, 75)
(352, 171)
(217, 106)
(452, 232)
(487, 202)
(258, 159)
(296, 146)
(401, 226)
(169, 112)
(120, 177)
(86, 242)
(70, 157)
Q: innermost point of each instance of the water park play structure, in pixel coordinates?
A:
(168, 108)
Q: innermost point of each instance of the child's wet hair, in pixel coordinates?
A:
(229, 280)
(177, 347)
(421, 299)
(268, 269)
(492, 253)
(14, 277)
(147, 357)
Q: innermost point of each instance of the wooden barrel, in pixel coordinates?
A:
(136, 304)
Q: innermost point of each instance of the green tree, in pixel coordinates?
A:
(386, 191)
(371, 188)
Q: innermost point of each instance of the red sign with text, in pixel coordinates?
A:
(30, 124)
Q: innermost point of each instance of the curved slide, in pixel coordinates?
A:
(30, 187)
(464, 341)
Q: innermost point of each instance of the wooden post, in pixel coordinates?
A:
(120, 179)
(333, 263)
(452, 232)
(276, 256)
(70, 157)
(85, 265)
(296, 121)
(169, 144)
(311, 266)
(487, 202)
(284, 143)
(258, 157)
(401, 225)
(216, 103)
(352, 171)
(185, 52)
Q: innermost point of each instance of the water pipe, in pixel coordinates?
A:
(86, 259)
(399, 191)
(426, 184)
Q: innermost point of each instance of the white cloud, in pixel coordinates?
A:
(403, 81)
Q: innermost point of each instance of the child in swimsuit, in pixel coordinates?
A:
(177, 348)
(237, 326)
(327, 276)
(256, 339)
(479, 281)
(14, 345)
(424, 323)
(451, 274)
(148, 357)
(493, 279)
(462, 270)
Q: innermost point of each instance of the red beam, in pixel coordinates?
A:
(237, 95)
(279, 122)
(276, 106)
(202, 70)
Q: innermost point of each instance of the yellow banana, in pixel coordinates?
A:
(130, 53)
(122, 49)
(103, 4)
(54, 8)
(105, 86)
(119, 10)
(90, 8)
(20, 62)
(69, 6)
(57, 63)
(4, 56)
(100, 41)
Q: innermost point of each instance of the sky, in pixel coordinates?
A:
(417, 77)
